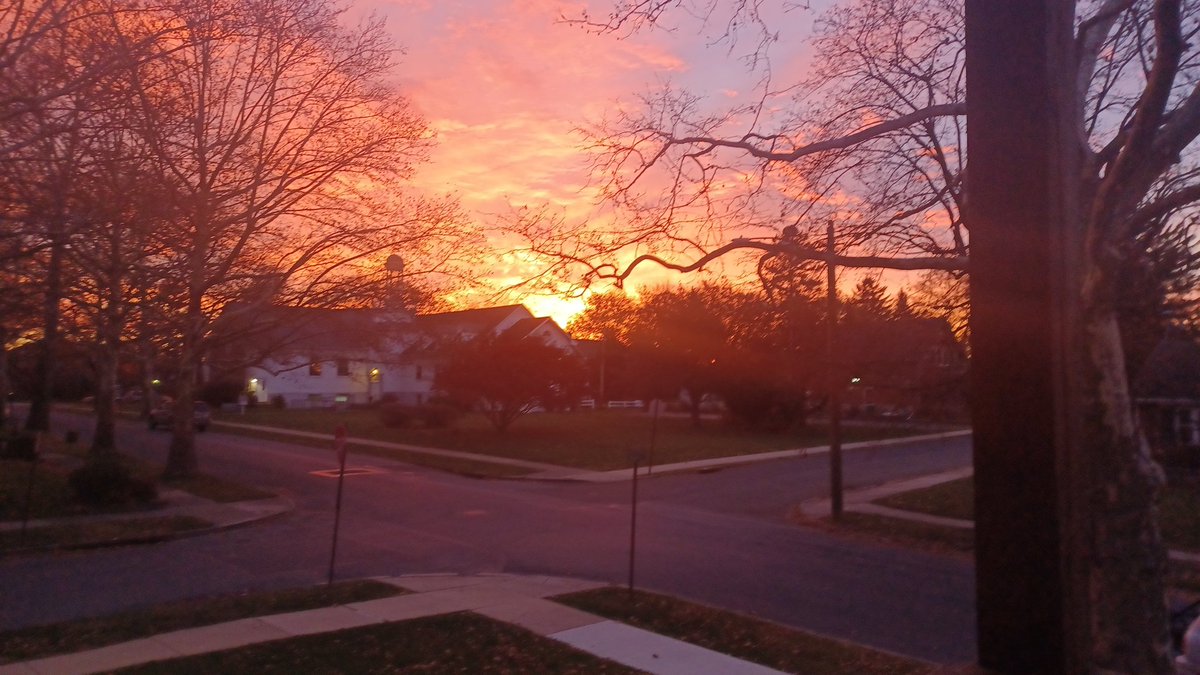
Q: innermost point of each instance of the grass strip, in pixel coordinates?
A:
(99, 533)
(1178, 507)
(51, 496)
(462, 467)
(218, 490)
(952, 499)
(450, 643)
(937, 538)
(595, 440)
(768, 644)
(60, 638)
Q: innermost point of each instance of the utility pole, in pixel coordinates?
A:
(833, 380)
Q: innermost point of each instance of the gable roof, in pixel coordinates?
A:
(324, 334)
(468, 321)
(314, 332)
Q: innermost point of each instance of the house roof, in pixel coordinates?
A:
(358, 332)
(468, 321)
(1171, 371)
(328, 331)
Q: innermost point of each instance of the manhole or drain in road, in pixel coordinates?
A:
(350, 471)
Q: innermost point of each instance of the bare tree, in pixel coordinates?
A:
(57, 62)
(880, 125)
(284, 149)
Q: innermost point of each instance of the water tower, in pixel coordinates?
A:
(393, 270)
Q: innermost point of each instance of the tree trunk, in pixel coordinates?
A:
(5, 384)
(110, 325)
(1128, 562)
(104, 437)
(1069, 560)
(182, 461)
(43, 391)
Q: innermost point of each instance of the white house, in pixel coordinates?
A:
(332, 357)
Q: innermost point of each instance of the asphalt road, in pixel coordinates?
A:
(720, 538)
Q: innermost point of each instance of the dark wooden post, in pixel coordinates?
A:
(1022, 210)
(834, 376)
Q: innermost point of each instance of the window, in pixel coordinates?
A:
(343, 367)
(1187, 426)
(314, 369)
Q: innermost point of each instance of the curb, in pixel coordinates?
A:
(718, 463)
(286, 506)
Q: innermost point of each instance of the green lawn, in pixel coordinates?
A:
(1179, 508)
(60, 638)
(952, 499)
(745, 637)
(599, 440)
(936, 538)
(450, 643)
(51, 496)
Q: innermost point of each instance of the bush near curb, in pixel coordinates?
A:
(110, 482)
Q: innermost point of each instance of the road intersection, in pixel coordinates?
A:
(721, 538)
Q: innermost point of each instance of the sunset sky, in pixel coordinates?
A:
(505, 82)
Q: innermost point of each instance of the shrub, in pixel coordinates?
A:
(438, 415)
(763, 408)
(218, 393)
(18, 445)
(396, 415)
(110, 482)
(278, 402)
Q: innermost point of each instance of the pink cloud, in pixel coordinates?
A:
(505, 82)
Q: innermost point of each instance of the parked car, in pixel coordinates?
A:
(164, 416)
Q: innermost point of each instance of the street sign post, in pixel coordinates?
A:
(637, 457)
(339, 446)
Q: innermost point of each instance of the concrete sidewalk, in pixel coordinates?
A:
(518, 600)
(860, 501)
(564, 473)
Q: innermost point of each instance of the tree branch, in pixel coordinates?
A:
(840, 143)
(791, 250)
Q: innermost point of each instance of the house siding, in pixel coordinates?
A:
(406, 373)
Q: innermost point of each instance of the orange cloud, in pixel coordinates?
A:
(505, 83)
